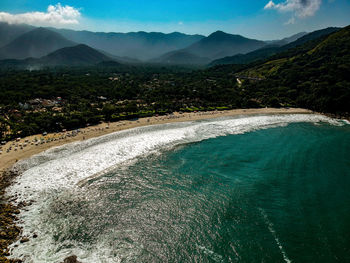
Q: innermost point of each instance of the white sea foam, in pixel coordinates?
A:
(346, 121)
(66, 166)
(62, 168)
(271, 228)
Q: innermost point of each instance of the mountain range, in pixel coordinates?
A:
(78, 55)
(217, 45)
(272, 49)
(138, 45)
(25, 45)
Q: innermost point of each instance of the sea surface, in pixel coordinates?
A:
(246, 189)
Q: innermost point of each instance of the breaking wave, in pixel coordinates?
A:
(66, 169)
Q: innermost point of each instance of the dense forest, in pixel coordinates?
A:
(314, 75)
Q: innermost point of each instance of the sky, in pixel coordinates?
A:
(261, 19)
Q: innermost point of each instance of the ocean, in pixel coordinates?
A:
(272, 188)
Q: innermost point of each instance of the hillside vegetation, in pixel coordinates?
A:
(314, 76)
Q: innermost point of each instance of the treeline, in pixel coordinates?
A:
(314, 76)
(92, 95)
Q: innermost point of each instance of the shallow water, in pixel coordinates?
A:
(249, 189)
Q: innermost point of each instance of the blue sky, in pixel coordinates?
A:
(263, 19)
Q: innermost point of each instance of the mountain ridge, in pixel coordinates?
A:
(227, 43)
(217, 44)
(80, 54)
(268, 51)
(8, 32)
(35, 43)
(40, 42)
(140, 45)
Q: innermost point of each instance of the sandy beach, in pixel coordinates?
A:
(24, 148)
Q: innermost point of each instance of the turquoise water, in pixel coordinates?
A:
(272, 195)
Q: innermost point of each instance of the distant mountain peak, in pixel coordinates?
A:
(82, 46)
(219, 34)
(43, 32)
(77, 55)
(220, 44)
(223, 36)
(272, 49)
(217, 45)
(35, 43)
(9, 32)
(41, 29)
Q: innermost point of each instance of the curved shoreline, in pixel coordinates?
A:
(8, 159)
(10, 232)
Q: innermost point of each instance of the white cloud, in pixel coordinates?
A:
(269, 5)
(55, 15)
(299, 8)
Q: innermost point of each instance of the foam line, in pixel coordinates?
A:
(64, 167)
(274, 234)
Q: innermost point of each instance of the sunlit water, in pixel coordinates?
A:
(248, 189)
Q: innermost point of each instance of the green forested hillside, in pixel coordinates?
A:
(270, 50)
(317, 78)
